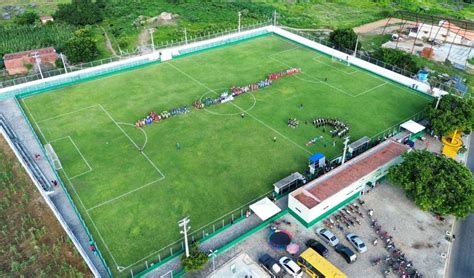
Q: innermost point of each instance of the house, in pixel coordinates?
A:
(321, 197)
(15, 63)
(46, 18)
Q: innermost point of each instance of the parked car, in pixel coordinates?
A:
(357, 242)
(327, 236)
(291, 267)
(318, 247)
(346, 253)
(270, 263)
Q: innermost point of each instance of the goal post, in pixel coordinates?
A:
(53, 157)
(340, 60)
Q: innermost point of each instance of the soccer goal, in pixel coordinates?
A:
(339, 60)
(53, 156)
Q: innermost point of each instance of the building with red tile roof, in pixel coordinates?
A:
(15, 62)
(320, 197)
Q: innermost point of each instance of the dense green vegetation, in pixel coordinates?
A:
(27, 18)
(438, 184)
(16, 38)
(80, 12)
(344, 38)
(32, 242)
(396, 57)
(196, 261)
(230, 160)
(82, 47)
(453, 113)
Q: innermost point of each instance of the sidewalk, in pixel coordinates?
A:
(14, 116)
(216, 242)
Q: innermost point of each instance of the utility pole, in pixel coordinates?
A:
(274, 17)
(183, 223)
(151, 36)
(346, 141)
(213, 254)
(437, 102)
(64, 63)
(357, 43)
(240, 14)
(185, 36)
(38, 61)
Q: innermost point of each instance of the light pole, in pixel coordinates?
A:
(183, 223)
(357, 43)
(151, 36)
(185, 36)
(346, 141)
(437, 102)
(240, 14)
(213, 254)
(38, 61)
(64, 63)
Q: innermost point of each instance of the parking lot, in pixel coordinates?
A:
(417, 234)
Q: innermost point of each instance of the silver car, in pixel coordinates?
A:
(356, 242)
(327, 236)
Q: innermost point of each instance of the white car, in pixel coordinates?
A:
(328, 236)
(356, 242)
(291, 267)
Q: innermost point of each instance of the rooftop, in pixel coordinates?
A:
(18, 55)
(343, 176)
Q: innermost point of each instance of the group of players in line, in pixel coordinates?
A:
(340, 127)
(235, 91)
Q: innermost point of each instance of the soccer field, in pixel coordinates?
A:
(132, 200)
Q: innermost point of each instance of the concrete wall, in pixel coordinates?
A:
(422, 87)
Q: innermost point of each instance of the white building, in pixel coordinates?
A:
(326, 194)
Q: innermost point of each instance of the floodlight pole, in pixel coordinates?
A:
(185, 36)
(213, 254)
(357, 43)
(274, 17)
(437, 102)
(240, 14)
(346, 141)
(152, 42)
(183, 223)
(64, 63)
(38, 60)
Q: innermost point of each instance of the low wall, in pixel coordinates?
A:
(404, 80)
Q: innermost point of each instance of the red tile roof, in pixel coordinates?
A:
(345, 175)
(19, 55)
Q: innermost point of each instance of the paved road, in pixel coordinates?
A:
(462, 256)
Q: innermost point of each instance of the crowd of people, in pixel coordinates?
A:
(340, 127)
(224, 97)
(294, 123)
(154, 117)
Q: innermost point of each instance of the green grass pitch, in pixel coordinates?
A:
(132, 201)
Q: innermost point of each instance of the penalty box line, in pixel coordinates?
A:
(240, 108)
(80, 153)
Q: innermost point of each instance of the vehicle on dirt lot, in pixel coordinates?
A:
(291, 267)
(356, 242)
(270, 263)
(346, 253)
(317, 246)
(328, 236)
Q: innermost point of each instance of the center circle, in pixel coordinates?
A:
(215, 94)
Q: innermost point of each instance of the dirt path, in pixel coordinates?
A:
(108, 43)
(370, 27)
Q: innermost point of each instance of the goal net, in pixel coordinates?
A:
(339, 60)
(53, 156)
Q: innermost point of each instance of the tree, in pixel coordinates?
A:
(27, 18)
(345, 38)
(453, 113)
(82, 47)
(435, 183)
(80, 12)
(397, 58)
(196, 260)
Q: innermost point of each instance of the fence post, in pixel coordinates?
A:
(222, 223)
(171, 251)
(159, 258)
(213, 228)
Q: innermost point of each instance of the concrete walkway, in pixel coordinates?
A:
(59, 198)
(216, 242)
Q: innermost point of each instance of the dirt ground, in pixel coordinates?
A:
(416, 233)
(32, 242)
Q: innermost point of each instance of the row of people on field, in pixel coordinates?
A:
(340, 127)
(154, 117)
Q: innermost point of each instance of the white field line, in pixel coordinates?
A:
(141, 129)
(286, 50)
(336, 68)
(33, 118)
(133, 142)
(369, 90)
(241, 109)
(68, 113)
(90, 218)
(326, 83)
(80, 153)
